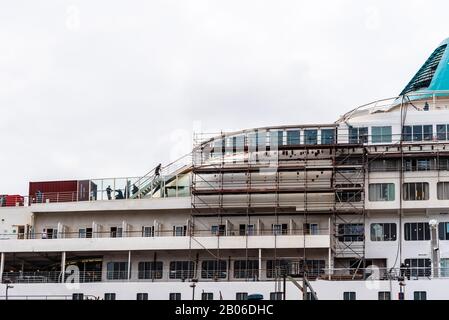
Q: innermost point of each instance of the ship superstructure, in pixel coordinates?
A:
(356, 209)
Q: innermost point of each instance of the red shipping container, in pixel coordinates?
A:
(14, 200)
(53, 191)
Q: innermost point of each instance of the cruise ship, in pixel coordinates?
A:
(357, 209)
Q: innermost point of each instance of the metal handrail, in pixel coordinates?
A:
(164, 233)
(293, 267)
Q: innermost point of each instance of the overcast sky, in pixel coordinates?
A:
(92, 89)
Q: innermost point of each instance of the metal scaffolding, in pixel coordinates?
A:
(295, 179)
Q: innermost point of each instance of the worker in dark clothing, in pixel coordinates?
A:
(402, 270)
(127, 189)
(157, 171)
(135, 189)
(39, 196)
(119, 195)
(109, 192)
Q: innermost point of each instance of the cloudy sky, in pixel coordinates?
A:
(92, 88)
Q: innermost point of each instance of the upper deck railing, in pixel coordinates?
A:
(431, 97)
(170, 181)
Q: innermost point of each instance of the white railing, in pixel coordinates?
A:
(223, 273)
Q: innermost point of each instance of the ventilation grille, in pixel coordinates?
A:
(425, 75)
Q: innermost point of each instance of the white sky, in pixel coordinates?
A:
(92, 89)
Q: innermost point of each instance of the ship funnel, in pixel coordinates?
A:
(434, 74)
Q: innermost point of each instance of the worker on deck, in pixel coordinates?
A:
(109, 192)
(157, 171)
(135, 189)
(119, 195)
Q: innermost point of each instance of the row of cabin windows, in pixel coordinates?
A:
(347, 233)
(213, 269)
(348, 295)
(386, 295)
(414, 191)
(357, 135)
(181, 231)
(378, 135)
(413, 231)
(383, 134)
(280, 138)
(419, 164)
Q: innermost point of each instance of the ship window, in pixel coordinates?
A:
(416, 191)
(247, 229)
(407, 133)
(278, 268)
(418, 164)
(117, 270)
(419, 295)
(443, 164)
(218, 230)
(257, 140)
(418, 133)
(181, 269)
(310, 136)
(50, 233)
(418, 267)
(381, 192)
(443, 190)
(310, 228)
(218, 148)
(279, 229)
(327, 136)
(276, 139)
(85, 233)
(241, 296)
(348, 192)
(444, 267)
(276, 295)
(384, 295)
(383, 232)
(293, 137)
(238, 143)
(179, 231)
(350, 232)
(246, 269)
(314, 268)
(381, 134)
(150, 269)
(213, 269)
(175, 296)
(428, 133)
(442, 130)
(142, 296)
(148, 231)
(349, 296)
(207, 296)
(384, 165)
(358, 135)
(417, 231)
(116, 232)
(109, 296)
(443, 230)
